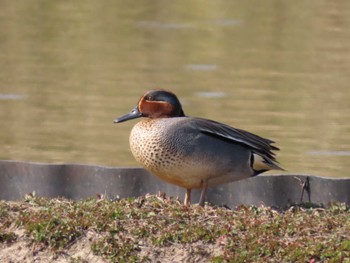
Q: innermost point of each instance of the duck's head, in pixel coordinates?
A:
(155, 104)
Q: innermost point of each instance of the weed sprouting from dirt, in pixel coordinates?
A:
(141, 229)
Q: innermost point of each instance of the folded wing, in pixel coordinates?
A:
(262, 149)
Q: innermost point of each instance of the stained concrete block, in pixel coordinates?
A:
(77, 181)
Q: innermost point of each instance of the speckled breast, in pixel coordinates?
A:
(151, 146)
(155, 145)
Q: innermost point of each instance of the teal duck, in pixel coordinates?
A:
(193, 152)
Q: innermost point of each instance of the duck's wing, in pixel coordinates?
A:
(258, 145)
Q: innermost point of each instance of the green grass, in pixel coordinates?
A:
(123, 227)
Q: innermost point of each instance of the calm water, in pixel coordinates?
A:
(280, 69)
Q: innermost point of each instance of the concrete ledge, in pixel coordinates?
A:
(76, 181)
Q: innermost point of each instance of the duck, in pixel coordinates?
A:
(193, 152)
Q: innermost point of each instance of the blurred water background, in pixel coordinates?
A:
(280, 69)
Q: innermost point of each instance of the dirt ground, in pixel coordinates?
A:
(80, 251)
(160, 229)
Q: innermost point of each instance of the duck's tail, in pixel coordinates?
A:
(262, 164)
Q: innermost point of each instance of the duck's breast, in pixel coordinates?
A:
(174, 150)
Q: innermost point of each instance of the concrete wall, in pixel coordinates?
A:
(77, 181)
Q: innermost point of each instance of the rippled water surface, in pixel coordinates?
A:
(280, 69)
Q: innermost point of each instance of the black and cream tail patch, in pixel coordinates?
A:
(260, 164)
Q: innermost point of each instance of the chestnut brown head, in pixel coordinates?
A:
(155, 104)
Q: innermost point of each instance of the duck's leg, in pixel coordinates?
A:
(187, 197)
(203, 193)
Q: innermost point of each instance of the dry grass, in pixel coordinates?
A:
(152, 228)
